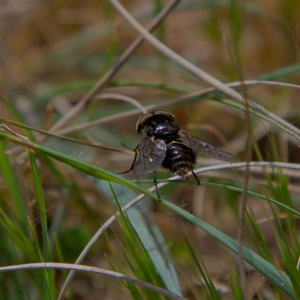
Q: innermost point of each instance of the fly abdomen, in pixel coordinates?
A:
(179, 159)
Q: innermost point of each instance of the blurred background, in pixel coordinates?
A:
(53, 52)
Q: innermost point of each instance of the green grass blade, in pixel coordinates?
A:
(263, 245)
(41, 204)
(147, 233)
(260, 115)
(265, 198)
(129, 285)
(278, 278)
(210, 289)
(110, 53)
(13, 188)
(49, 275)
(17, 236)
(279, 73)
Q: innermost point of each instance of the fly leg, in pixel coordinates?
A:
(156, 188)
(132, 165)
(196, 177)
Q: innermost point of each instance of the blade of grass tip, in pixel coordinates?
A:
(195, 70)
(13, 188)
(136, 256)
(210, 288)
(112, 71)
(134, 291)
(278, 278)
(145, 233)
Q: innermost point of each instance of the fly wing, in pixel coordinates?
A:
(150, 155)
(198, 145)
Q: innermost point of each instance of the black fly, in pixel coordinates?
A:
(165, 144)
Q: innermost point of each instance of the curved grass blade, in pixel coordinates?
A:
(278, 278)
(148, 234)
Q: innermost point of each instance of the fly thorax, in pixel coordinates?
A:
(163, 130)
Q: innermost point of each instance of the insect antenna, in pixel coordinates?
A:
(127, 147)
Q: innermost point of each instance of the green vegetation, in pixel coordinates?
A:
(72, 90)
